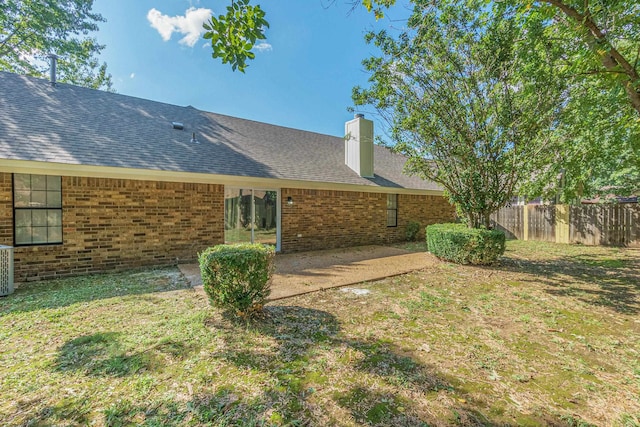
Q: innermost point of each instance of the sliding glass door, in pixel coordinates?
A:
(251, 216)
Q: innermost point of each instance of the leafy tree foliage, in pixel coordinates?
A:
(234, 34)
(594, 148)
(463, 102)
(32, 29)
(601, 38)
(596, 137)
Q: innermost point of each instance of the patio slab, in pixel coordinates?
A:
(300, 273)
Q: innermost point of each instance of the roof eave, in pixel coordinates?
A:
(78, 170)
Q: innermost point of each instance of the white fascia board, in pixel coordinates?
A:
(64, 169)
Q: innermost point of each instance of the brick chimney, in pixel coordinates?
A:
(358, 145)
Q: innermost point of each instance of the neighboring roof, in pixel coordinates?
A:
(78, 126)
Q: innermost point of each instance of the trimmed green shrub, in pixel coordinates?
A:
(463, 245)
(237, 277)
(411, 232)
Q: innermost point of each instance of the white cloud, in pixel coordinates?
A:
(263, 47)
(190, 24)
(132, 75)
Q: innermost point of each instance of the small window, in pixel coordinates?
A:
(392, 210)
(37, 209)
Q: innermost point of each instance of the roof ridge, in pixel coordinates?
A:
(270, 124)
(186, 107)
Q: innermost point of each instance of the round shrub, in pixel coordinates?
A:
(237, 277)
(463, 245)
(412, 230)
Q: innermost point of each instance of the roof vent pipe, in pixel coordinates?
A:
(193, 138)
(52, 69)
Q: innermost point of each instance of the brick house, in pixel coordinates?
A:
(93, 181)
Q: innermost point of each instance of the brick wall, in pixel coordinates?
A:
(114, 224)
(320, 219)
(426, 210)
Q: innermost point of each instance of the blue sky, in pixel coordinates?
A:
(301, 79)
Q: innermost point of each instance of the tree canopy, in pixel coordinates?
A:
(32, 29)
(595, 51)
(601, 38)
(457, 92)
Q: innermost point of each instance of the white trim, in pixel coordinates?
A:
(63, 169)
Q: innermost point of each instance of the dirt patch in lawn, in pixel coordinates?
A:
(300, 273)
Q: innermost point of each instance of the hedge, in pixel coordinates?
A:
(463, 245)
(411, 232)
(237, 277)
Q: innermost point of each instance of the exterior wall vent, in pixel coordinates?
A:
(358, 146)
(6, 270)
(177, 125)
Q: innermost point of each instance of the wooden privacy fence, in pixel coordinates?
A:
(614, 225)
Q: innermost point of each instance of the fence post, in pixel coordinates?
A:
(525, 222)
(562, 224)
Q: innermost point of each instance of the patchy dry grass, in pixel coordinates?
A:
(549, 336)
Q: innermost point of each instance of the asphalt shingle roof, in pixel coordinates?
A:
(73, 125)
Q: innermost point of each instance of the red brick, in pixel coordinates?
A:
(116, 224)
(333, 219)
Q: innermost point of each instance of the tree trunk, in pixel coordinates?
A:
(487, 220)
(471, 220)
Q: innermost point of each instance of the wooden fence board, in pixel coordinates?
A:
(610, 225)
(510, 220)
(542, 222)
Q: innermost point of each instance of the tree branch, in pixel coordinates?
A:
(613, 59)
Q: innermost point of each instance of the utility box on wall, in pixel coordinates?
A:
(6, 270)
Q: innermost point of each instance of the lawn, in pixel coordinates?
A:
(550, 336)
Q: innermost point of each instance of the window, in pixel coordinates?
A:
(392, 210)
(37, 209)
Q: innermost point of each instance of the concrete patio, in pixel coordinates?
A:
(301, 273)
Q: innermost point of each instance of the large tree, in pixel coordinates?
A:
(596, 52)
(594, 147)
(32, 29)
(462, 102)
(601, 38)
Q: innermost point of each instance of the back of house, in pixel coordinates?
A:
(93, 181)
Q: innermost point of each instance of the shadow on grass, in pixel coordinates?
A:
(381, 384)
(222, 408)
(60, 293)
(379, 375)
(598, 280)
(71, 410)
(103, 354)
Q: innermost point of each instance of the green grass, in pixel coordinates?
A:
(549, 336)
(242, 235)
